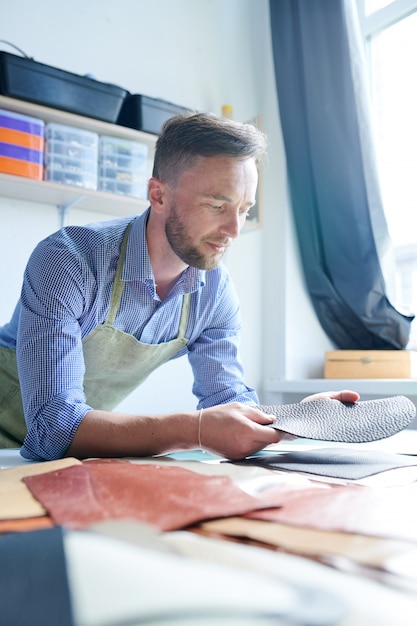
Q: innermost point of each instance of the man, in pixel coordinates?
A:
(103, 305)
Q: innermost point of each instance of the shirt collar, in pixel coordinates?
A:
(137, 265)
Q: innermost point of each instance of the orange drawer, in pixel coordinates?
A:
(8, 135)
(21, 168)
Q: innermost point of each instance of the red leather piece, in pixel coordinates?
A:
(389, 512)
(168, 498)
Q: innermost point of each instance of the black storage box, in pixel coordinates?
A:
(25, 79)
(147, 114)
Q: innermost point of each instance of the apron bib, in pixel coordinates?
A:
(115, 364)
(12, 421)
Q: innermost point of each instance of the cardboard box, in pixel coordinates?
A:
(370, 364)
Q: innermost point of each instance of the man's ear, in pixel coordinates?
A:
(157, 193)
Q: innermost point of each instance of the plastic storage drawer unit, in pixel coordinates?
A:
(123, 166)
(21, 145)
(71, 156)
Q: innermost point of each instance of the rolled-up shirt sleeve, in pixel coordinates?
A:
(49, 350)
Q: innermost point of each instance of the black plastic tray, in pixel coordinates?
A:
(25, 79)
(147, 114)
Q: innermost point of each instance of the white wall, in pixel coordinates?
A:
(200, 54)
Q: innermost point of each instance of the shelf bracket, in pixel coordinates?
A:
(63, 209)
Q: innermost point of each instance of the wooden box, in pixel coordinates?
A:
(370, 364)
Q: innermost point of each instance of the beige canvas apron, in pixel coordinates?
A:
(115, 364)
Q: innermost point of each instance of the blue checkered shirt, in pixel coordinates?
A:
(66, 294)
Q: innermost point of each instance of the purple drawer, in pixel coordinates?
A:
(23, 154)
(22, 123)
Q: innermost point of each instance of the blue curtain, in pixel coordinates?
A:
(325, 164)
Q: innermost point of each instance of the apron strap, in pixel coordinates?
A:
(185, 311)
(118, 284)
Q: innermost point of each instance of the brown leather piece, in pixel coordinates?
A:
(379, 512)
(168, 498)
(23, 525)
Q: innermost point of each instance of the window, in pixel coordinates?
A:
(389, 28)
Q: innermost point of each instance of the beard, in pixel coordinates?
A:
(183, 246)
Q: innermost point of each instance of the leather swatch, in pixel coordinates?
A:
(24, 525)
(332, 462)
(167, 498)
(16, 501)
(345, 422)
(372, 552)
(376, 511)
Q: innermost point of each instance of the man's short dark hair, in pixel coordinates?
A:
(187, 136)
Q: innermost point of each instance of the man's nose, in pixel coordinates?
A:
(231, 224)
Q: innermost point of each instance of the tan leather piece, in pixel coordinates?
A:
(167, 498)
(379, 512)
(369, 551)
(16, 501)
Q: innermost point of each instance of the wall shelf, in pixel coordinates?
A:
(86, 123)
(45, 192)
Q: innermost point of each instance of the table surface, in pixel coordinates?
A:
(370, 601)
(404, 442)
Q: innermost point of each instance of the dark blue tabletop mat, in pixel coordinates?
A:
(33, 579)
